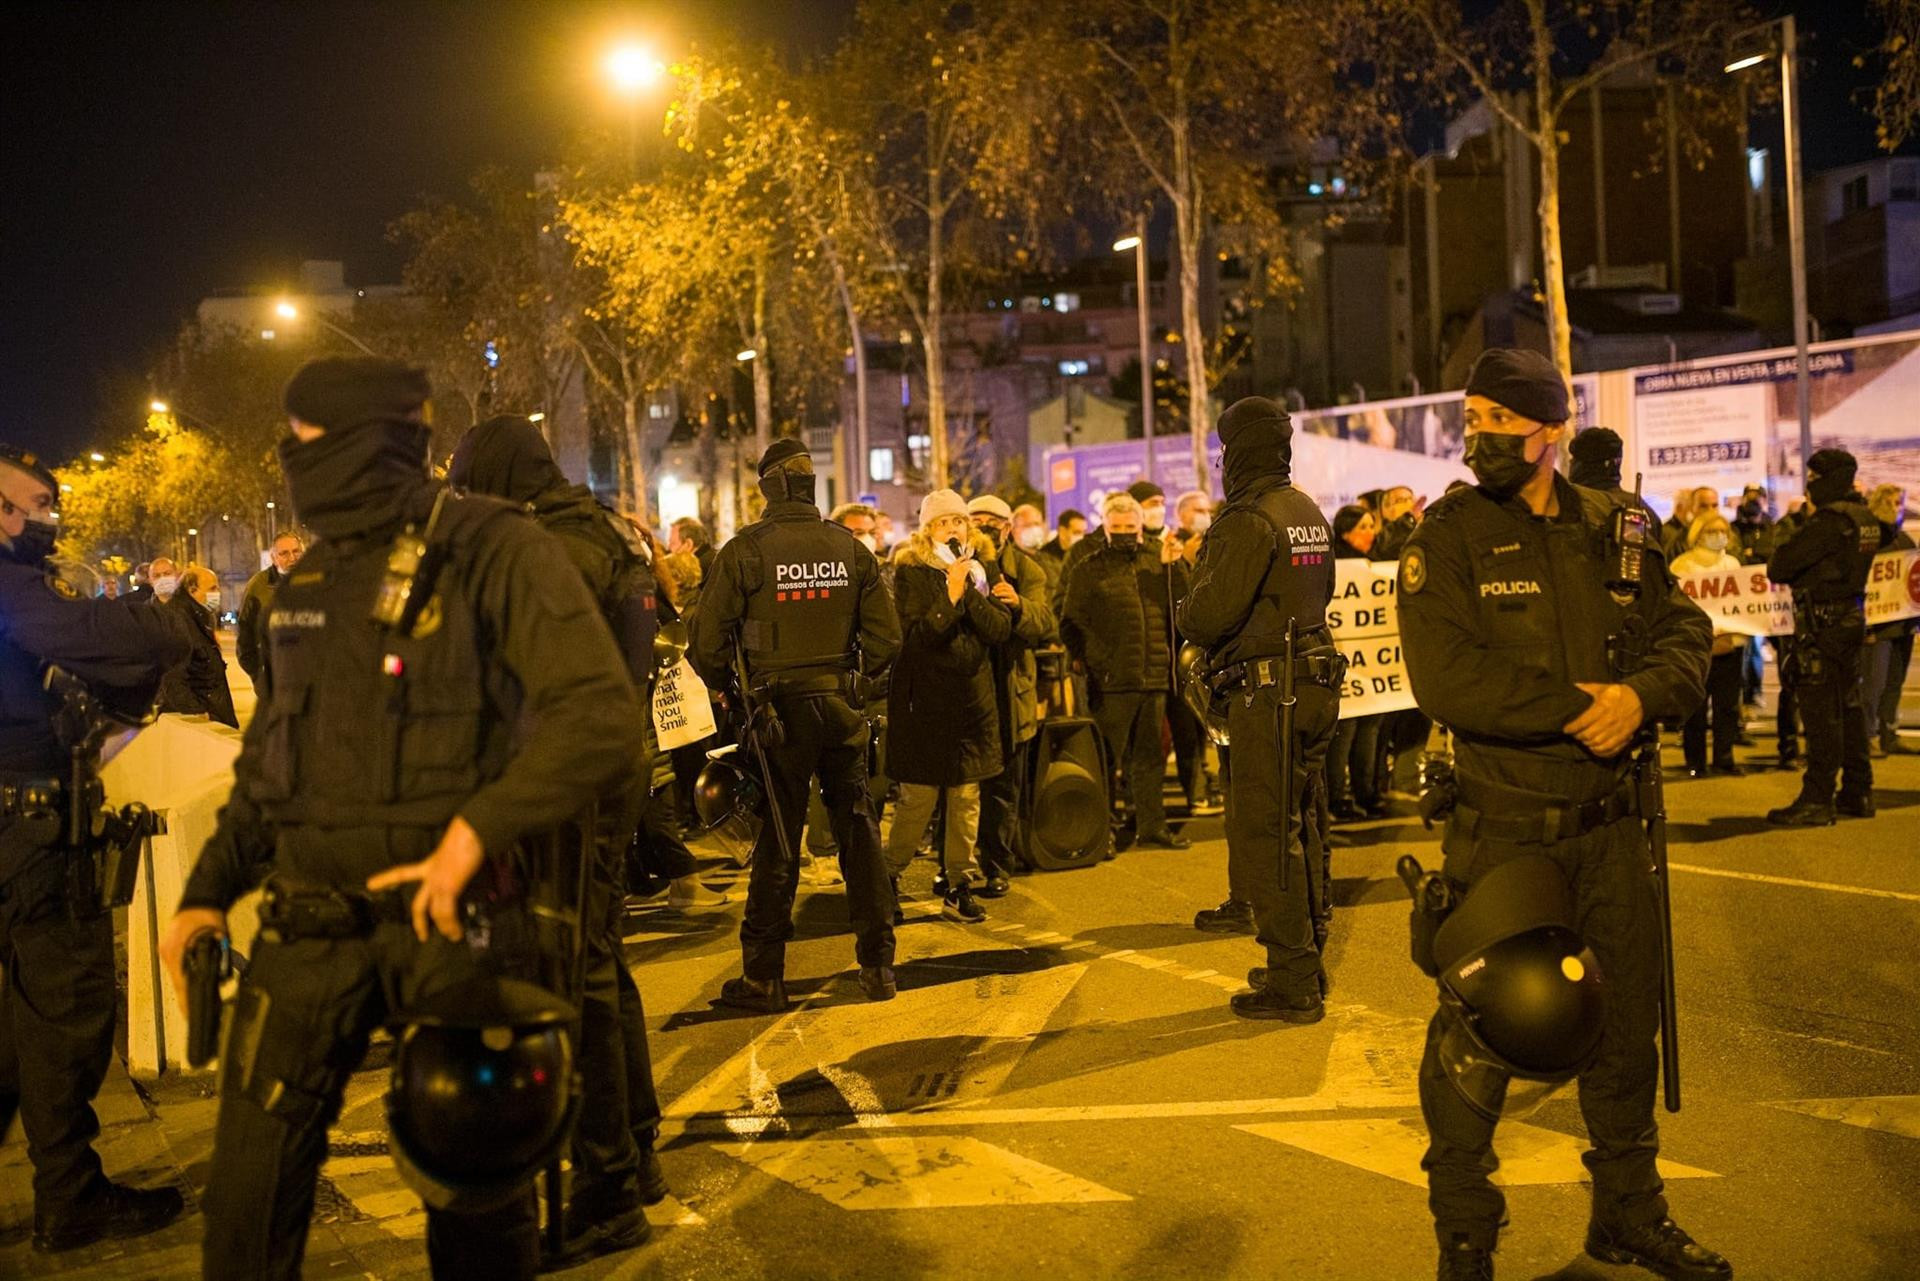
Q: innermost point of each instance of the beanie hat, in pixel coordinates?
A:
(29, 462)
(339, 392)
(1145, 490)
(780, 451)
(1596, 445)
(941, 502)
(1524, 381)
(1254, 412)
(992, 506)
(1830, 474)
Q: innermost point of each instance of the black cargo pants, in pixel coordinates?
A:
(56, 1021)
(297, 1031)
(619, 1110)
(1259, 851)
(828, 738)
(1618, 916)
(1825, 670)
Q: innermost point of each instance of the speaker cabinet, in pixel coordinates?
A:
(1067, 803)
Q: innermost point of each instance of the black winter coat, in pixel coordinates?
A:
(198, 685)
(943, 720)
(1115, 618)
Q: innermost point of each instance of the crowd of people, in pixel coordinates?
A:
(878, 699)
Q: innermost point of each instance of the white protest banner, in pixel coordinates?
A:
(682, 713)
(1365, 620)
(1742, 601)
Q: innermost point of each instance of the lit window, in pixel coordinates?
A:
(1066, 302)
(1756, 167)
(880, 464)
(1074, 368)
(918, 449)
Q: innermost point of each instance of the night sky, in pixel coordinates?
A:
(157, 152)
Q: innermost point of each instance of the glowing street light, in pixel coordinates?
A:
(536, 417)
(158, 406)
(286, 310)
(633, 68)
(97, 456)
(1136, 244)
(1125, 243)
(1742, 64)
(745, 356)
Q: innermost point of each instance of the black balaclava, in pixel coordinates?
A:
(1595, 458)
(357, 476)
(506, 457)
(1256, 439)
(780, 484)
(1830, 474)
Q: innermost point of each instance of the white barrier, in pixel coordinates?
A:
(181, 768)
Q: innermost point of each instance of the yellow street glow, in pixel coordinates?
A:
(1125, 243)
(157, 406)
(286, 310)
(633, 67)
(748, 354)
(536, 418)
(1752, 60)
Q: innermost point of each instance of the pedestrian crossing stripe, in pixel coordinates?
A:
(916, 1172)
(1892, 1113)
(1393, 1146)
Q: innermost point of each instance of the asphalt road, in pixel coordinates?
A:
(1062, 1092)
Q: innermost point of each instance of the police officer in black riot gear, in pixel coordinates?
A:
(798, 601)
(1266, 571)
(56, 931)
(615, 1168)
(1826, 562)
(444, 690)
(1525, 637)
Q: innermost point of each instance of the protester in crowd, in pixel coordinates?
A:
(1189, 739)
(198, 687)
(1353, 781)
(1752, 544)
(1889, 645)
(1117, 625)
(1193, 511)
(250, 629)
(1399, 516)
(689, 535)
(164, 577)
(1029, 529)
(1709, 540)
(1673, 534)
(1153, 507)
(943, 722)
(1068, 530)
(857, 519)
(1022, 588)
(883, 535)
(140, 582)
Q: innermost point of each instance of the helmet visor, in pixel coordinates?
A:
(1488, 1085)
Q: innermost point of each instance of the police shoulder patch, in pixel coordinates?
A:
(62, 588)
(1413, 571)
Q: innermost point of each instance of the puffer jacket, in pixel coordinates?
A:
(943, 719)
(1016, 673)
(1116, 618)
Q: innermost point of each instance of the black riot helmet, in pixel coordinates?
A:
(729, 800)
(1191, 667)
(481, 1095)
(1523, 993)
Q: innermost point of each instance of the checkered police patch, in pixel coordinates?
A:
(62, 588)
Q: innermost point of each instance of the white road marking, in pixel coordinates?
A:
(1393, 1146)
(1796, 883)
(910, 1172)
(1893, 1113)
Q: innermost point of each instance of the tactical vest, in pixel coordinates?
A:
(367, 727)
(1299, 578)
(628, 594)
(802, 583)
(1844, 577)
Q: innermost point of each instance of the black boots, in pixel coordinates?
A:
(1661, 1248)
(1461, 1260)
(767, 996)
(876, 981)
(106, 1211)
(1804, 812)
(1855, 806)
(1231, 917)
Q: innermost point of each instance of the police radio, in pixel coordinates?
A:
(413, 562)
(1627, 539)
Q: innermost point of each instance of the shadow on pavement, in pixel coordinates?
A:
(1723, 827)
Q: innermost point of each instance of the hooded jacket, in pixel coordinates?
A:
(943, 717)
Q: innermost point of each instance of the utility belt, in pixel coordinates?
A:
(98, 864)
(813, 683)
(1326, 668)
(1818, 614)
(292, 910)
(1494, 813)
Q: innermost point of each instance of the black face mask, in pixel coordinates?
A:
(1750, 511)
(1500, 463)
(1826, 490)
(348, 482)
(783, 486)
(34, 544)
(1124, 542)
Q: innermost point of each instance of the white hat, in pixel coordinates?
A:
(941, 502)
(992, 506)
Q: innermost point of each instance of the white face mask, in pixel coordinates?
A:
(1714, 542)
(1155, 517)
(1202, 522)
(1031, 537)
(213, 601)
(166, 585)
(869, 542)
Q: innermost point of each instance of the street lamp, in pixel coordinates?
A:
(158, 406)
(287, 311)
(744, 356)
(633, 68)
(1796, 214)
(1138, 244)
(97, 456)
